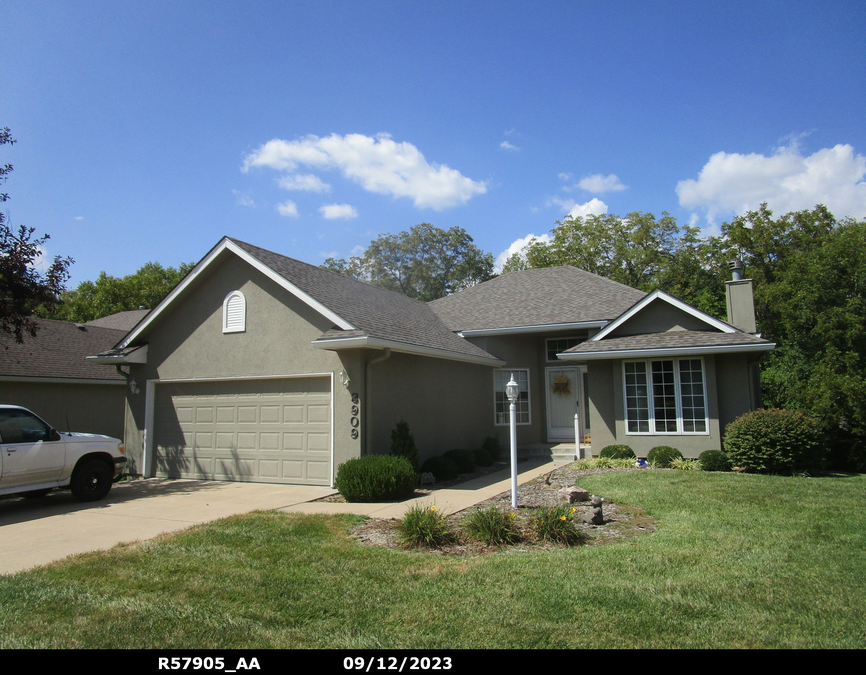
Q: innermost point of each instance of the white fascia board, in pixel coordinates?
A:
(58, 380)
(541, 328)
(404, 348)
(663, 351)
(679, 304)
(224, 245)
(136, 356)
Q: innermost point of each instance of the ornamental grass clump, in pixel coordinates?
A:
(556, 523)
(376, 478)
(661, 456)
(424, 527)
(685, 464)
(493, 526)
(775, 441)
(617, 452)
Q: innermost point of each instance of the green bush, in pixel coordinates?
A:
(403, 443)
(491, 445)
(556, 523)
(605, 463)
(492, 526)
(617, 452)
(376, 478)
(442, 468)
(464, 460)
(661, 456)
(775, 441)
(714, 460)
(482, 457)
(424, 527)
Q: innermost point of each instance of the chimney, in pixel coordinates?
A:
(740, 299)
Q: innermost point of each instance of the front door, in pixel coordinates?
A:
(566, 395)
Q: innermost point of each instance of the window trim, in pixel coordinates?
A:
(556, 359)
(528, 397)
(241, 326)
(678, 395)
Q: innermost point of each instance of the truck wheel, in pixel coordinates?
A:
(90, 481)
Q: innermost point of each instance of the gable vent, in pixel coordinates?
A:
(234, 313)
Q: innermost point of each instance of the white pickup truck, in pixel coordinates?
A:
(34, 458)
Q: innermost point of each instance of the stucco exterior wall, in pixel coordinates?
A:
(659, 317)
(188, 343)
(89, 408)
(738, 393)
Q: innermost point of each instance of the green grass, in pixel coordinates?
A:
(737, 561)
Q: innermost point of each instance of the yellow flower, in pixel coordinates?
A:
(562, 518)
(573, 510)
(433, 508)
(512, 515)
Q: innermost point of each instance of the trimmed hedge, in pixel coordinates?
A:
(714, 460)
(775, 441)
(442, 468)
(617, 452)
(376, 478)
(661, 456)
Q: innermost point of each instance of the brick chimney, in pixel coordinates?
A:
(740, 299)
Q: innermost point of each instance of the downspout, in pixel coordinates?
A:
(367, 403)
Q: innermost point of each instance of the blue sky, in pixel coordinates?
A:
(146, 131)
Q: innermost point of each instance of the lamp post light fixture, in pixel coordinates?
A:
(512, 391)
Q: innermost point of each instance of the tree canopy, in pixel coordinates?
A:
(23, 288)
(109, 295)
(424, 263)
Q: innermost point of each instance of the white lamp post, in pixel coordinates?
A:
(512, 391)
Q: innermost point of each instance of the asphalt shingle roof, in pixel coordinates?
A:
(669, 340)
(376, 312)
(536, 297)
(124, 321)
(59, 350)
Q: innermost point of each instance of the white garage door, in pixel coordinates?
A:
(268, 431)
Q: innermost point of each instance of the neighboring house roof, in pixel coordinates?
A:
(124, 321)
(58, 352)
(536, 298)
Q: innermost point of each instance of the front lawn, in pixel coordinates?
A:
(736, 561)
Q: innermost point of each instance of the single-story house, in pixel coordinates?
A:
(263, 368)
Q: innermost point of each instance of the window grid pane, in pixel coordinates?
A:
(692, 396)
(502, 404)
(664, 396)
(637, 401)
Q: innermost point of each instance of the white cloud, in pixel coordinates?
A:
(79, 217)
(564, 177)
(331, 211)
(243, 199)
(594, 207)
(786, 180)
(517, 246)
(304, 181)
(288, 208)
(505, 145)
(599, 184)
(378, 164)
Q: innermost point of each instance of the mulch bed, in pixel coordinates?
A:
(620, 522)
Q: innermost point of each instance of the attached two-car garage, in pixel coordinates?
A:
(274, 430)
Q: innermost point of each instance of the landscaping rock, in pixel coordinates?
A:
(574, 494)
(427, 478)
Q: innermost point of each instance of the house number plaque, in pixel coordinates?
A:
(354, 420)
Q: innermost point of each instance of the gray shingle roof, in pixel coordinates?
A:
(536, 297)
(375, 311)
(670, 340)
(59, 350)
(124, 321)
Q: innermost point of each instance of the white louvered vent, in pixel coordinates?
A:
(234, 313)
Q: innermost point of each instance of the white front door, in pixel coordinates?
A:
(563, 387)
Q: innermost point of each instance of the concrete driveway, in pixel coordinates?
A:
(37, 532)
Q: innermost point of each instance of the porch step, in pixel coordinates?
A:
(557, 452)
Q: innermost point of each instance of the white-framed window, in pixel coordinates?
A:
(556, 346)
(234, 313)
(501, 404)
(665, 396)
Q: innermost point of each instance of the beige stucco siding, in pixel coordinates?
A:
(738, 390)
(658, 317)
(85, 407)
(187, 343)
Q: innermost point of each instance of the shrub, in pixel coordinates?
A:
(774, 441)
(605, 463)
(376, 478)
(714, 460)
(424, 526)
(403, 443)
(491, 445)
(556, 523)
(442, 468)
(482, 457)
(661, 456)
(617, 452)
(685, 464)
(492, 526)
(464, 460)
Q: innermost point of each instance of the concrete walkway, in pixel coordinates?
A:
(38, 532)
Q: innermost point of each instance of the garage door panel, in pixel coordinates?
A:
(256, 430)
